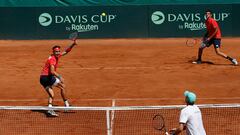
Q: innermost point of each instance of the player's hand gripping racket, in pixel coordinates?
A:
(193, 42)
(159, 124)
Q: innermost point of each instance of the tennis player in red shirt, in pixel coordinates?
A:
(213, 36)
(50, 77)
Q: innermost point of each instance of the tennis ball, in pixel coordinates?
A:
(103, 14)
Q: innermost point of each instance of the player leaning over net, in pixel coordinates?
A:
(190, 118)
(50, 77)
(213, 36)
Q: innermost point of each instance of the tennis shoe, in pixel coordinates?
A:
(197, 62)
(52, 113)
(234, 61)
(67, 105)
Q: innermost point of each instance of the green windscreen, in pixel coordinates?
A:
(60, 3)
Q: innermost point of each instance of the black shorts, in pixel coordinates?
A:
(47, 80)
(215, 41)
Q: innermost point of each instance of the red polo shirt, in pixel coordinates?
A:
(52, 60)
(211, 24)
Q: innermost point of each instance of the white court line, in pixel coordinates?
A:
(119, 99)
(108, 68)
(105, 68)
(92, 68)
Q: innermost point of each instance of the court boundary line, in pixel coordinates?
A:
(117, 68)
(118, 108)
(117, 99)
(99, 68)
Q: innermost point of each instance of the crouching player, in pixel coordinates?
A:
(50, 78)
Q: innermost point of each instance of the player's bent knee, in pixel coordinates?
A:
(64, 86)
(61, 85)
(201, 48)
(48, 88)
(218, 52)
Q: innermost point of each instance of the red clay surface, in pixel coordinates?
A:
(132, 71)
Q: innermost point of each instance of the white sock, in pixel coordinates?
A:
(49, 105)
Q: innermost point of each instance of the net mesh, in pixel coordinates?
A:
(137, 120)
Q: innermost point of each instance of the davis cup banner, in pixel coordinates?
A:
(58, 22)
(142, 21)
(187, 20)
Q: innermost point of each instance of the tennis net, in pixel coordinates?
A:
(218, 119)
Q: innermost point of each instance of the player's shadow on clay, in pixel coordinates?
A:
(209, 63)
(203, 62)
(45, 112)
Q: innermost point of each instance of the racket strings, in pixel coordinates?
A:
(158, 122)
(192, 42)
(73, 36)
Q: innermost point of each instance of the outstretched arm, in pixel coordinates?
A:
(69, 48)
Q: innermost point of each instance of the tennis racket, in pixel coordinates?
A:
(159, 124)
(73, 36)
(193, 42)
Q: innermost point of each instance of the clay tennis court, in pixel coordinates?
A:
(133, 72)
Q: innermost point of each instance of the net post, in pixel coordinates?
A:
(109, 128)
